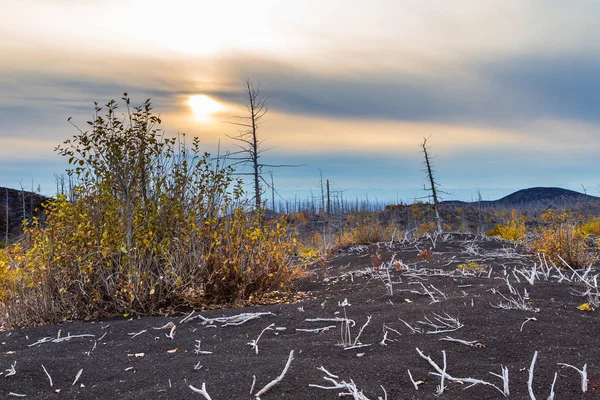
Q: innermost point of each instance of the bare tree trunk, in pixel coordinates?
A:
(272, 190)
(23, 202)
(433, 187)
(328, 200)
(6, 220)
(322, 191)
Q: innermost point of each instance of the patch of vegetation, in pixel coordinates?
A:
(592, 227)
(564, 239)
(514, 229)
(154, 225)
(470, 266)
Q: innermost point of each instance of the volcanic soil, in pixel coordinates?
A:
(351, 328)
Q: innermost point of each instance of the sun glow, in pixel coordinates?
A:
(203, 107)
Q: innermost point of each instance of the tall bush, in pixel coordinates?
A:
(155, 225)
(514, 229)
(563, 237)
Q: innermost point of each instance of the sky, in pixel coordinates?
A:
(506, 92)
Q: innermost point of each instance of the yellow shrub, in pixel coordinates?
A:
(567, 241)
(470, 266)
(592, 227)
(154, 226)
(514, 229)
(363, 230)
(425, 228)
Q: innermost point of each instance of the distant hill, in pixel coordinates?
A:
(536, 197)
(21, 205)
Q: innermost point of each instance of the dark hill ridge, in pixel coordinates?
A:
(21, 204)
(536, 197)
(539, 194)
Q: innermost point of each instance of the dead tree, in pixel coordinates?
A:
(250, 146)
(433, 186)
(6, 220)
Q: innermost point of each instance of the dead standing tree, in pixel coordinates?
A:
(250, 147)
(433, 186)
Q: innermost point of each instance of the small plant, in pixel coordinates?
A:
(376, 260)
(514, 229)
(424, 229)
(426, 254)
(592, 227)
(470, 266)
(585, 307)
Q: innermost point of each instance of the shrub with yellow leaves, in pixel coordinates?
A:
(563, 238)
(154, 225)
(514, 229)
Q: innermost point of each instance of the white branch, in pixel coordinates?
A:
(11, 371)
(254, 343)
(316, 330)
(442, 372)
(47, 374)
(583, 373)
(201, 391)
(415, 384)
(279, 378)
(134, 334)
(77, 377)
(551, 397)
(472, 343)
(530, 380)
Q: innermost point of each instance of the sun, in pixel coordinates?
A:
(203, 107)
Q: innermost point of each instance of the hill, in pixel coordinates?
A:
(15, 206)
(537, 197)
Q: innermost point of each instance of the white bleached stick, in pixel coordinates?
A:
(197, 348)
(60, 339)
(201, 391)
(413, 330)
(415, 384)
(187, 317)
(238, 319)
(582, 372)
(316, 330)
(551, 397)
(279, 378)
(171, 334)
(526, 321)
(472, 343)
(135, 334)
(254, 343)
(448, 324)
(504, 378)
(47, 374)
(361, 331)
(77, 377)
(336, 319)
(321, 368)
(11, 371)
(441, 371)
(530, 380)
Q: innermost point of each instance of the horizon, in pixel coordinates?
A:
(353, 88)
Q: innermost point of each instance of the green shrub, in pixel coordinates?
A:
(154, 226)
